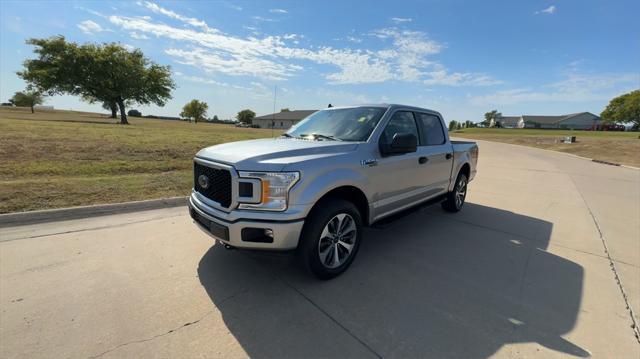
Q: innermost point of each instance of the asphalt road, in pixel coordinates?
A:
(522, 271)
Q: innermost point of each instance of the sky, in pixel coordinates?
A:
(461, 58)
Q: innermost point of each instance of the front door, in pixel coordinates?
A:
(397, 179)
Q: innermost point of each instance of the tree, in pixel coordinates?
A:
(111, 106)
(134, 113)
(492, 115)
(286, 109)
(453, 125)
(215, 118)
(624, 109)
(104, 72)
(246, 116)
(27, 99)
(194, 109)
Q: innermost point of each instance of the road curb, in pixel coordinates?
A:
(50, 215)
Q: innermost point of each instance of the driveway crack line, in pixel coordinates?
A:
(153, 337)
(612, 264)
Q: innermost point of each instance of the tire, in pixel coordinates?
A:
(455, 199)
(322, 239)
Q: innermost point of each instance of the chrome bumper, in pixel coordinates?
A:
(286, 232)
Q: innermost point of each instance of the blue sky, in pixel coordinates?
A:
(461, 58)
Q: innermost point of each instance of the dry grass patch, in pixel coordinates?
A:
(616, 147)
(56, 159)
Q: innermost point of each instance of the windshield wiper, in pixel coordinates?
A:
(319, 135)
(287, 135)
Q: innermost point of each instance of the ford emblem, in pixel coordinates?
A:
(203, 181)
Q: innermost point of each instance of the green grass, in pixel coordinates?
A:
(56, 159)
(616, 147)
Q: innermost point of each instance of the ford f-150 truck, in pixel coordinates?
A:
(315, 187)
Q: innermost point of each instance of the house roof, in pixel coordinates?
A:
(551, 119)
(287, 115)
(509, 120)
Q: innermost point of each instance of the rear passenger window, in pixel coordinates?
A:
(432, 132)
(401, 122)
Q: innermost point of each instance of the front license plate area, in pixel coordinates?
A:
(217, 230)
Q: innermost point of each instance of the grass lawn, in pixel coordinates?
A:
(54, 159)
(617, 147)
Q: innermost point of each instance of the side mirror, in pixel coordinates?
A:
(401, 143)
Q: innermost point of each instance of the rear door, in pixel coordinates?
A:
(438, 151)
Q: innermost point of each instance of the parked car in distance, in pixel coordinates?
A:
(314, 188)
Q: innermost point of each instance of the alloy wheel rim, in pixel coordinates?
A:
(461, 192)
(337, 240)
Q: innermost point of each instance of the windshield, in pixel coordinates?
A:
(341, 124)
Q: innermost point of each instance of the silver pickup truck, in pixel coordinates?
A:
(314, 188)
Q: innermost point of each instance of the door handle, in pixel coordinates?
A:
(369, 162)
(449, 156)
(422, 160)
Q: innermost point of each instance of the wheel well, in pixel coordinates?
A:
(353, 195)
(466, 169)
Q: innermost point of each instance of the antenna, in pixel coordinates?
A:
(273, 121)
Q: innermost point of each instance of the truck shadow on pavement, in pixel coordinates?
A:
(427, 284)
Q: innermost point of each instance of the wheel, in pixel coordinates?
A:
(330, 238)
(455, 199)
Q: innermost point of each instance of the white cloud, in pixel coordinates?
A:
(573, 88)
(550, 10)
(278, 11)
(264, 19)
(90, 27)
(129, 47)
(273, 57)
(399, 20)
(354, 39)
(188, 20)
(138, 36)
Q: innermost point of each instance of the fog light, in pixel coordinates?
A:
(268, 232)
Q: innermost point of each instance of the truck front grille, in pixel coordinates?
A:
(213, 183)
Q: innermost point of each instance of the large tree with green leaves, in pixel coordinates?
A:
(196, 110)
(245, 116)
(27, 99)
(624, 109)
(105, 72)
(491, 115)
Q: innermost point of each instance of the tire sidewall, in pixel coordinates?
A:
(466, 184)
(316, 221)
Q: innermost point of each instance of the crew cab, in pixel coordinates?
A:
(316, 186)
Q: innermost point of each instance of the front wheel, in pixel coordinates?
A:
(330, 238)
(455, 199)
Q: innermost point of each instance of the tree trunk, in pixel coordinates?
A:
(123, 114)
(114, 109)
(32, 109)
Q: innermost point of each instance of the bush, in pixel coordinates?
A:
(134, 113)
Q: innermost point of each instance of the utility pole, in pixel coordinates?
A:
(273, 121)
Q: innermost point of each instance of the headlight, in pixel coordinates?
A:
(275, 188)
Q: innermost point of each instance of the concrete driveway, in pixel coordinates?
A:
(525, 270)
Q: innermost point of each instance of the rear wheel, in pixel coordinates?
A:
(455, 199)
(330, 238)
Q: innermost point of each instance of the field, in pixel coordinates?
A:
(616, 147)
(54, 159)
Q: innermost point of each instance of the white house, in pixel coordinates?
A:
(281, 120)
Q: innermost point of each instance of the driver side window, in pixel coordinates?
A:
(401, 122)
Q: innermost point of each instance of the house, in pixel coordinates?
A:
(281, 120)
(511, 122)
(573, 121)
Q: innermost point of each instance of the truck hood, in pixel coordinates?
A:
(272, 154)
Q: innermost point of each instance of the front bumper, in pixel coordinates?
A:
(228, 227)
